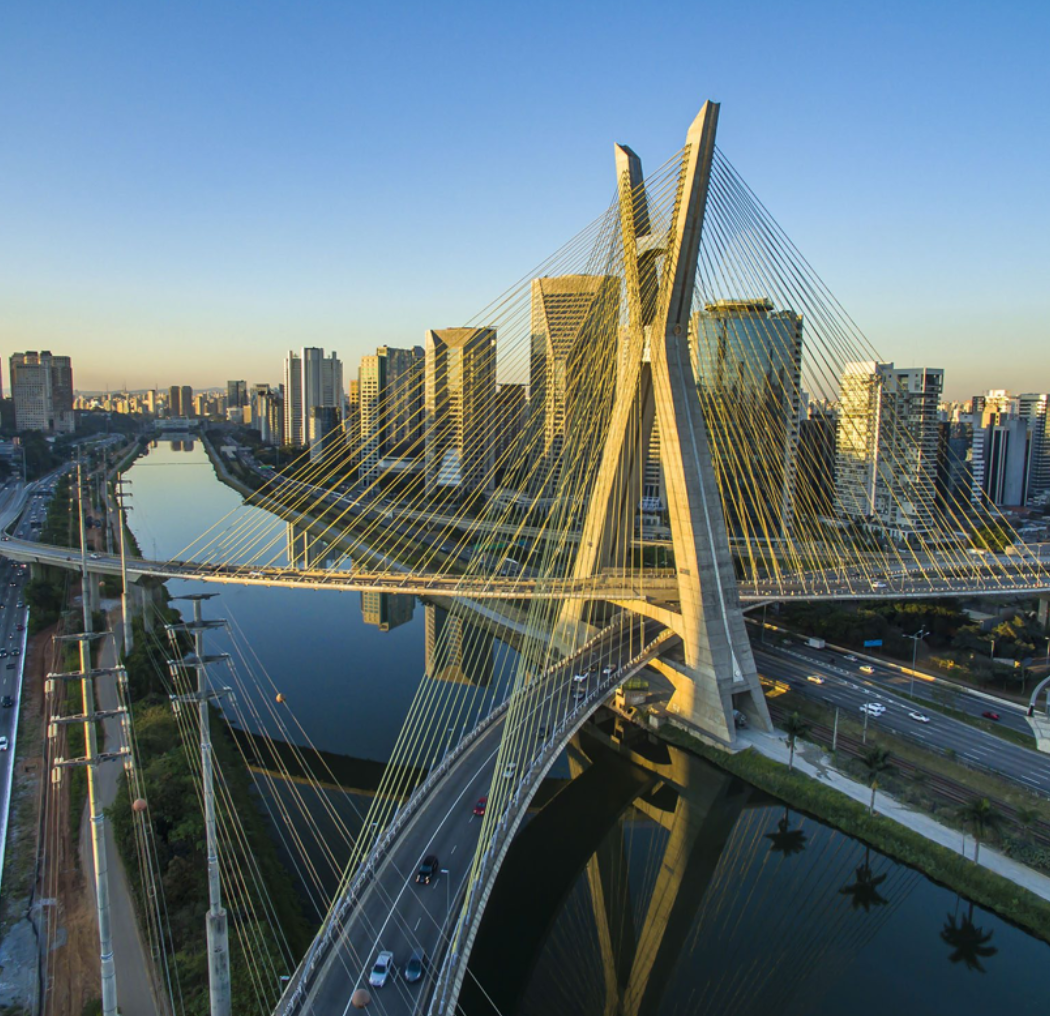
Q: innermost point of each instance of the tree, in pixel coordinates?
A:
(968, 942)
(995, 538)
(785, 840)
(1026, 818)
(980, 814)
(795, 727)
(876, 760)
(863, 891)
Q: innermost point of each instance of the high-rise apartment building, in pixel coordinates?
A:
(186, 401)
(42, 390)
(572, 370)
(174, 401)
(747, 359)
(1002, 460)
(311, 379)
(886, 458)
(460, 391)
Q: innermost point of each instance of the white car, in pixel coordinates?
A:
(3, 744)
(878, 585)
(512, 768)
(850, 657)
(918, 717)
(579, 678)
(384, 968)
(607, 671)
(94, 557)
(873, 708)
(815, 678)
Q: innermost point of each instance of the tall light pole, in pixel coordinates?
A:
(915, 640)
(216, 924)
(122, 511)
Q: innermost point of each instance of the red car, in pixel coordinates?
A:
(479, 808)
(989, 715)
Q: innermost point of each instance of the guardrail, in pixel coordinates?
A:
(13, 750)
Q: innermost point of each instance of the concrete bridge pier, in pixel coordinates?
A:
(147, 597)
(93, 591)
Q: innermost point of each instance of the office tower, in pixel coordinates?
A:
(954, 464)
(236, 394)
(174, 401)
(323, 426)
(815, 485)
(460, 390)
(511, 418)
(186, 400)
(390, 406)
(456, 650)
(1002, 459)
(42, 390)
(386, 611)
(747, 358)
(151, 400)
(293, 399)
(1032, 408)
(886, 460)
(572, 370)
(352, 424)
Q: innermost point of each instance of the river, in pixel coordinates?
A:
(700, 895)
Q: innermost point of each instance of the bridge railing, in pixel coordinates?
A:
(450, 979)
(303, 979)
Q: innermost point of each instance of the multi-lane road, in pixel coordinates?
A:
(13, 618)
(845, 686)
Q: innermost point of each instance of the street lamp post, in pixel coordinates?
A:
(915, 640)
(448, 894)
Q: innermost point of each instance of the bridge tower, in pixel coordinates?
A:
(717, 673)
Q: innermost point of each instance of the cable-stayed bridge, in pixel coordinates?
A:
(666, 351)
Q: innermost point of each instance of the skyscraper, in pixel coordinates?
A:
(186, 401)
(886, 458)
(459, 393)
(747, 358)
(1032, 407)
(42, 390)
(575, 329)
(311, 379)
(236, 394)
(390, 404)
(174, 401)
(293, 399)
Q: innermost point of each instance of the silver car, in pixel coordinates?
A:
(384, 968)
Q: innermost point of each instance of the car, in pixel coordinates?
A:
(479, 808)
(3, 653)
(10, 666)
(383, 969)
(428, 870)
(989, 715)
(512, 768)
(878, 585)
(867, 669)
(579, 678)
(20, 627)
(255, 574)
(815, 678)
(3, 744)
(607, 671)
(918, 717)
(16, 651)
(873, 708)
(95, 557)
(415, 966)
(850, 657)
(5, 538)
(7, 702)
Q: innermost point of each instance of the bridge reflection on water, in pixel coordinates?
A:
(648, 882)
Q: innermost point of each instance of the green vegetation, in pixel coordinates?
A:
(167, 769)
(993, 537)
(981, 816)
(876, 760)
(942, 865)
(795, 727)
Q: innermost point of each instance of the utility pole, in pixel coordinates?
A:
(218, 932)
(122, 510)
(84, 598)
(915, 640)
(91, 759)
(835, 731)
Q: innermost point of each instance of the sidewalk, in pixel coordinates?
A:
(811, 760)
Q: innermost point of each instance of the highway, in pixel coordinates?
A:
(13, 635)
(846, 687)
(393, 912)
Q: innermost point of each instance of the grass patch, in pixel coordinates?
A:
(984, 887)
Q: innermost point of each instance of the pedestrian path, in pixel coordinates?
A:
(817, 764)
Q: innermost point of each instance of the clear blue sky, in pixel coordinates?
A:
(189, 189)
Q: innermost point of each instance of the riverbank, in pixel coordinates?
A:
(816, 787)
(222, 470)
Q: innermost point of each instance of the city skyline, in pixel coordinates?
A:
(177, 231)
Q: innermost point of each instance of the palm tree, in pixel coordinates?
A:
(785, 840)
(970, 943)
(795, 727)
(876, 760)
(982, 817)
(864, 890)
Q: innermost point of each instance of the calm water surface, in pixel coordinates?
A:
(705, 898)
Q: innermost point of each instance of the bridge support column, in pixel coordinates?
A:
(93, 592)
(1043, 610)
